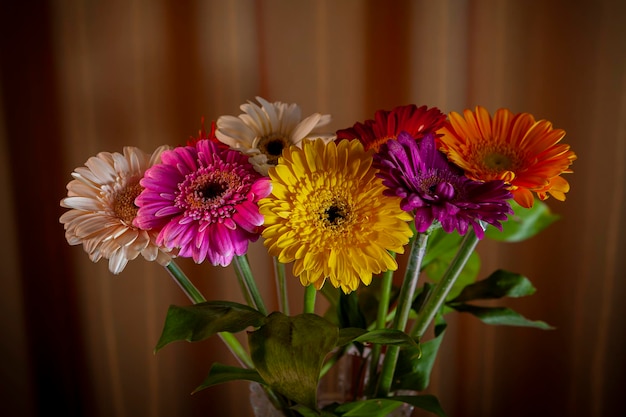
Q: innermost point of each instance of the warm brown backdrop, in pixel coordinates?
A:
(79, 76)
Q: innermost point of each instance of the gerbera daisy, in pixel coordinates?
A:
(524, 153)
(203, 134)
(328, 215)
(203, 200)
(436, 190)
(262, 132)
(416, 121)
(101, 198)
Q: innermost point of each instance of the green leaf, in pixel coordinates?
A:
(425, 402)
(387, 337)
(201, 321)
(347, 335)
(524, 223)
(375, 407)
(415, 365)
(219, 373)
(500, 316)
(350, 314)
(377, 336)
(307, 412)
(288, 353)
(381, 407)
(499, 284)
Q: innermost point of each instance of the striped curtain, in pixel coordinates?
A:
(78, 77)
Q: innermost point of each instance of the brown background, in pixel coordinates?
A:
(79, 77)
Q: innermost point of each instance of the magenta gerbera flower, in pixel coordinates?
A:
(436, 190)
(203, 199)
(388, 124)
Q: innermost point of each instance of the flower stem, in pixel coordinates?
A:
(243, 267)
(381, 321)
(405, 300)
(441, 290)
(184, 283)
(196, 297)
(310, 294)
(281, 286)
(244, 288)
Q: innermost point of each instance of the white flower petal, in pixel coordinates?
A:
(92, 220)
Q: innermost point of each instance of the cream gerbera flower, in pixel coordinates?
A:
(102, 201)
(262, 132)
(327, 213)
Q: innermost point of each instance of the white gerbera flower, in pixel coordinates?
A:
(102, 201)
(262, 132)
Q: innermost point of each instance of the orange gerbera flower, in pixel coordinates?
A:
(524, 153)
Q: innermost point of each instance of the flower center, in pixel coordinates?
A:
(209, 195)
(212, 190)
(124, 202)
(436, 188)
(497, 159)
(272, 146)
(336, 214)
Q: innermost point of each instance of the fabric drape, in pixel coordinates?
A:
(79, 77)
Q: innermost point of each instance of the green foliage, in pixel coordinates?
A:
(378, 407)
(349, 313)
(201, 321)
(524, 223)
(501, 316)
(288, 353)
(219, 373)
(442, 248)
(415, 364)
(379, 336)
(498, 285)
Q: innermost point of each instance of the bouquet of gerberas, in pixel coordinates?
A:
(338, 207)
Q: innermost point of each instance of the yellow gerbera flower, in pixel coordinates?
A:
(524, 153)
(327, 214)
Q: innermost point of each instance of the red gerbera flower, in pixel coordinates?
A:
(388, 124)
(202, 134)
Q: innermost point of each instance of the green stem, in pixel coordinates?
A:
(310, 294)
(244, 288)
(441, 290)
(405, 300)
(281, 286)
(196, 297)
(184, 283)
(381, 321)
(243, 267)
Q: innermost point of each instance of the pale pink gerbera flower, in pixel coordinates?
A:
(203, 200)
(101, 198)
(262, 132)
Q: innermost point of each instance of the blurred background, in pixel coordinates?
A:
(82, 76)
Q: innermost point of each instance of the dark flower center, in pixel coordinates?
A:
(209, 195)
(272, 146)
(212, 190)
(336, 214)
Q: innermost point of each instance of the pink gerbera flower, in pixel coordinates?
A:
(203, 199)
